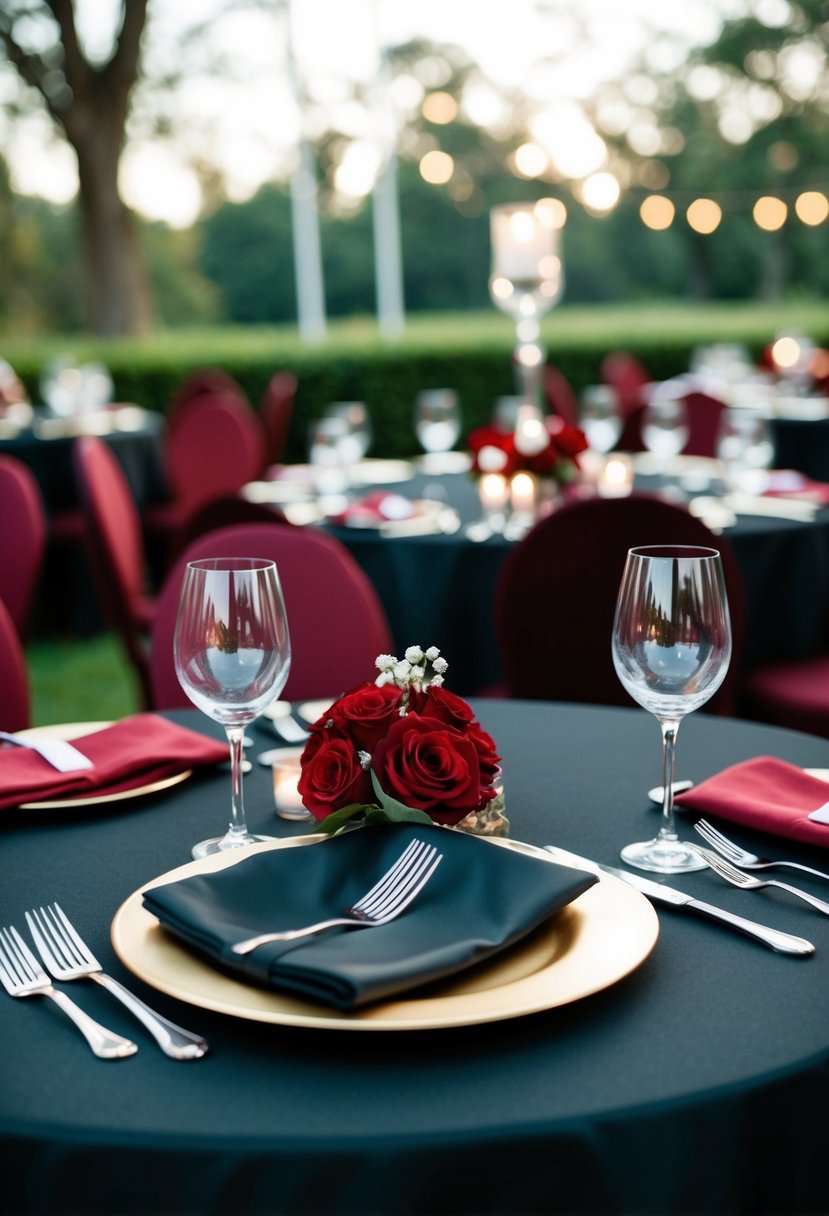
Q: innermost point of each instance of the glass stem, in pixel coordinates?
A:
(669, 729)
(237, 826)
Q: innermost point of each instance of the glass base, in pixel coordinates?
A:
(663, 856)
(223, 844)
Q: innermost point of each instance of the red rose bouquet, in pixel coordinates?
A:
(554, 455)
(400, 748)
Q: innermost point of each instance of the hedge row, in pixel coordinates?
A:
(471, 354)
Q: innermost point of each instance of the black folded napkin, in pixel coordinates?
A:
(480, 899)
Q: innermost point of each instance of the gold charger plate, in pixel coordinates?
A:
(592, 943)
(74, 730)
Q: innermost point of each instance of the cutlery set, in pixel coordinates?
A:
(730, 862)
(66, 957)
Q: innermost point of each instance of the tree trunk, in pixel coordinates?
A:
(116, 293)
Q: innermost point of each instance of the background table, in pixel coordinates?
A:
(438, 590)
(698, 1084)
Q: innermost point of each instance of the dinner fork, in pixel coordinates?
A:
(748, 882)
(741, 857)
(21, 975)
(67, 957)
(389, 896)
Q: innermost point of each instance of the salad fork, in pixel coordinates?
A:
(389, 896)
(21, 975)
(738, 878)
(67, 957)
(742, 857)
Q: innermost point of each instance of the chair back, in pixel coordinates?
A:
(336, 621)
(555, 598)
(704, 418)
(196, 383)
(226, 512)
(275, 412)
(560, 395)
(215, 447)
(115, 546)
(14, 680)
(22, 540)
(627, 376)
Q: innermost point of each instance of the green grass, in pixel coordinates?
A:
(80, 680)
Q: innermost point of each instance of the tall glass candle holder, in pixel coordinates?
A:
(527, 278)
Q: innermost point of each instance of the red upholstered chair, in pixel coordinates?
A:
(226, 512)
(628, 377)
(793, 694)
(116, 549)
(275, 412)
(202, 380)
(556, 594)
(560, 396)
(336, 620)
(14, 680)
(22, 540)
(704, 417)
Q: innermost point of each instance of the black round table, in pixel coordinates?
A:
(697, 1084)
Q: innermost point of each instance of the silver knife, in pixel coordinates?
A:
(785, 943)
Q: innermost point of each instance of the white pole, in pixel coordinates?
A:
(310, 290)
(388, 259)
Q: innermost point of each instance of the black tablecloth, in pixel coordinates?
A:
(438, 590)
(696, 1085)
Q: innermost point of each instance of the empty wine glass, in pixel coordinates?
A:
(671, 650)
(665, 425)
(232, 655)
(437, 424)
(599, 417)
(745, 449)
(359, 430)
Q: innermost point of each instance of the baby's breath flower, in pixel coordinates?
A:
(432, 653)
(417, 673)
(364, 758)
(436, 681)
(384, 662)
(439, 666)
(402, 669)
(414, 654)
(385, 677)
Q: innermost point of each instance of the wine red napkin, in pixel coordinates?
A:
(375, 508)
(787, 483)
(766, 794)
(133, 752)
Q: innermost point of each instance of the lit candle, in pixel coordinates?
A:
(286, 773)
(522, 238)
(616, 479)
(493, 491)
(522, 494)
(531, 434)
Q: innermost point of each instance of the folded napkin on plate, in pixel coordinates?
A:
(133, 752)
(787, 483)
(480, 899)
(766, 794)
(375, 508)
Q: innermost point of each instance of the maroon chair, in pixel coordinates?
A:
(336, 621)
(202, 380)
(275, 412)
(14, 680)
(628, 377)
(116, 550)
(22, 540)
(559, 394)
(704, 416)
(226, 512)
(794, 694)
(555, 598)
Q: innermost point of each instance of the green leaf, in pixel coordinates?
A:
(337, 820)
(395, 811)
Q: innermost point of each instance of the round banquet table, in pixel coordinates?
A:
(438, 589)
(697, 1084)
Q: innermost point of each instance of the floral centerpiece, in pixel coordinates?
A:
(551, 452)
(400, 748)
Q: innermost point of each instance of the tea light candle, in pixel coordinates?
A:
(522, 494)
(286, 795)
(616, 478)
(522, 238)
(493, 491)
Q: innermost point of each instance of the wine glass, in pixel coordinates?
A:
(671, 649)
(359, 432)
(232, 655)
(665, 425)
(437, 424)
(745, 450)
(599, 417)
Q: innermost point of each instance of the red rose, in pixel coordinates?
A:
(332, 776)
(431, 767)
(365, 714)
(437, 702)
(488, 757)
